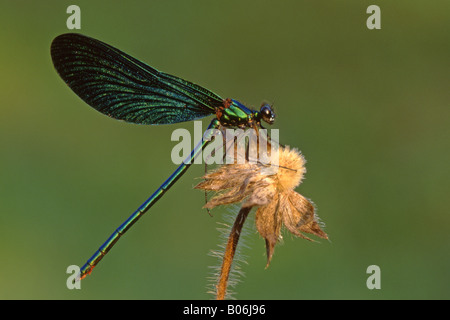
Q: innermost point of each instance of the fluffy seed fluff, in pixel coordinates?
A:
(270, 188)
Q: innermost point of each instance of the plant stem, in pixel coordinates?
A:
(230, 250)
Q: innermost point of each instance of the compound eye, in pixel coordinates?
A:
(267, 113)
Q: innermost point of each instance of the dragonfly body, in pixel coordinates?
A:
(124, 88)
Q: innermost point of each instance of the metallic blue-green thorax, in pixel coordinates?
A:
(236, 114)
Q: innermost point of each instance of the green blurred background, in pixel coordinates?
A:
(368, 108)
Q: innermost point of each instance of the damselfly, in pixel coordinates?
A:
(124, 88)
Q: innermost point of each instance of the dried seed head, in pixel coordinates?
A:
(272, 191)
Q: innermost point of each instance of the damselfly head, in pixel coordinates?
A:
(267, 113)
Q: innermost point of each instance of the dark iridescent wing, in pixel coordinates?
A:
(125, 88)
